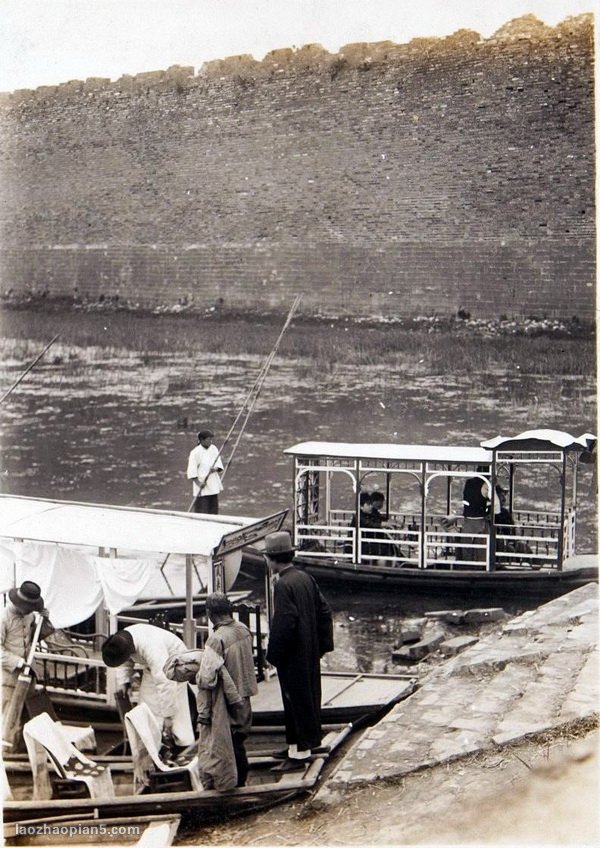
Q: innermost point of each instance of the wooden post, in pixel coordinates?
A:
(189, 623)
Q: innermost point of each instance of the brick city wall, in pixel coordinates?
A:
(383, 180)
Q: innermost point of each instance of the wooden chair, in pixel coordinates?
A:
(149, 770)
(45, 742)
(80, 735)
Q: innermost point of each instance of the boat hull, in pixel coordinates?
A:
(540, 585)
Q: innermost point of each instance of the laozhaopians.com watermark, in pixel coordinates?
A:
(96, 828)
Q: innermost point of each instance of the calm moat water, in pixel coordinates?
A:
(105, 425)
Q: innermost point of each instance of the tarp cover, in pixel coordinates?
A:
(123, 528)
(551, 438)
(410, 453)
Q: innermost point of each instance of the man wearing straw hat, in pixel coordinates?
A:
(17, 626)
(204, 469)
(301, 633)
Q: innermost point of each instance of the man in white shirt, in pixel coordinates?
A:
(204, 469)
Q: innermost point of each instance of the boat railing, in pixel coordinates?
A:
(389, 546)
(536, 517)
(322, 540)
(63, 674)
(456, 549)
(527, 545)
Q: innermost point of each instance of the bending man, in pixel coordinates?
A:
(150, 647)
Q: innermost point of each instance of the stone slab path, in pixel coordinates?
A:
(537, 672)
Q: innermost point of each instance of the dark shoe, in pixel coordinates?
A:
(291, 765)
(322, 749)
(279, 755)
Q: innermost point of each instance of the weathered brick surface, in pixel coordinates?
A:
(509, 685)
(384, 180)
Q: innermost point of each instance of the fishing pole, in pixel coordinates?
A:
(28, 369)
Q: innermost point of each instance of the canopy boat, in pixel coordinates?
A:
(414, 547)
(87, 556)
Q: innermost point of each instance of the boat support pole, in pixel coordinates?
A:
(189, 624)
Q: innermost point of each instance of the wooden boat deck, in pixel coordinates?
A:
(345, 696)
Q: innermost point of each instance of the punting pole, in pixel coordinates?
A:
(12, 716)
(253, 393)
(251, 398)
(28, 369)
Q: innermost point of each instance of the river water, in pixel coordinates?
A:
(104, 424)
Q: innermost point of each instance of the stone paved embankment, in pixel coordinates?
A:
(539, 672)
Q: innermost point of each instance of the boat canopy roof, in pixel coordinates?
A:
(393, 452)
(124, 528)
(542, 440)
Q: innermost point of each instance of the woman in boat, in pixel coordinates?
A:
(150, 647)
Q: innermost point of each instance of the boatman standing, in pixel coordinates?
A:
(204, 469)
(17, 626)
(301, 633)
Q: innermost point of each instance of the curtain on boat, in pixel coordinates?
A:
(75, 584)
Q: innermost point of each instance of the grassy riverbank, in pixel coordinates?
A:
(431, 345)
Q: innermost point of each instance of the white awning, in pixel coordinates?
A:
(546, 438)
(394, 452)
(123, 528)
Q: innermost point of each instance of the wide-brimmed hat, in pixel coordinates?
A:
(117, 649)
(28, 597)
(279, 543)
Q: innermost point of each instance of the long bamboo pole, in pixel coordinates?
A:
(28, 369)
(249, 401)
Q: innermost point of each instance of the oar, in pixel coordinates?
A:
(28, 369)
(12, 716)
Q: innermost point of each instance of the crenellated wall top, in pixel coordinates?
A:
(310, 57)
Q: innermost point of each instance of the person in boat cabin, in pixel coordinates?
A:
(301, 633)
(204, 470)
(475, 515)
(377, 504)
(371, 518)
(226, 682)
(505, 523)
(150, 647)
(17, 628)
(365, 516)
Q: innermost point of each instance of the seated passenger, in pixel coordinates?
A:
(362, 519)
(504, 521)
(377, 502)
(366, 513)
(376, 544)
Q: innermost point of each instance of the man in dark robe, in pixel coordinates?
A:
(301, 633)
